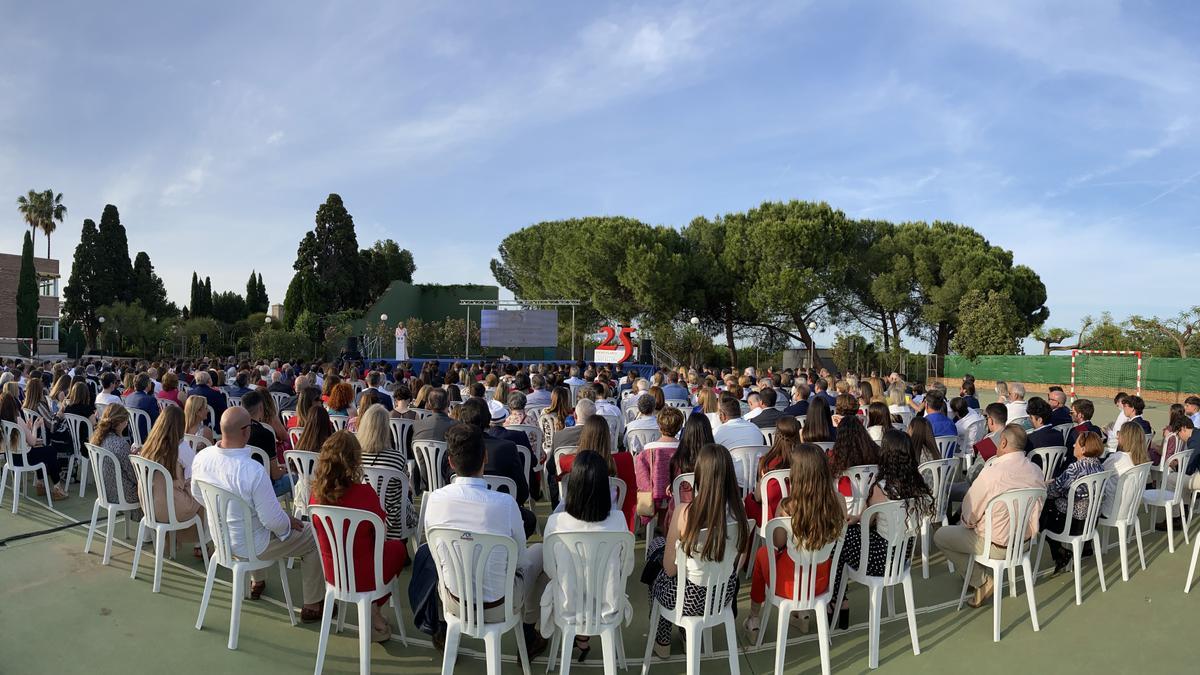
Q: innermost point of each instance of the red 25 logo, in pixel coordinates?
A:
(626, 338)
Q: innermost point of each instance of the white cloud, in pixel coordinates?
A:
(188, 184)
(275, 137)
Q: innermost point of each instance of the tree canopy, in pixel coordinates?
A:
(27, 297)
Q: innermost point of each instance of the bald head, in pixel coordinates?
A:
(235, 427)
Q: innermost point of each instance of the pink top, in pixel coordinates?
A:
(172, 395)
(655, 481)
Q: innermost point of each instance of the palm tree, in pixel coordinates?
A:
(54, 210)
(30, 206)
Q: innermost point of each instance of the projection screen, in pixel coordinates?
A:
(518, 328)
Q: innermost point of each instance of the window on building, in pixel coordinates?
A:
(47, 330)
(48, 287)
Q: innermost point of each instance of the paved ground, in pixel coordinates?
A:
(63, 612)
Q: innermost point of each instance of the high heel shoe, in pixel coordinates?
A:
(583, 644)
(843, 622)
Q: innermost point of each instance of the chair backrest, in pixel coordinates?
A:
(164, 403)
(890, 521)
(149, 472)
(285, 415)
(211, 418)
(280, 399)
(1092, 486)
(975, 432)
(824, 445)
(1064, 429)
(233, 401)
(563, 451)
(861, 478)
(805, 564)
(382, 478)
(619, 489)
(1049, 458)
(14, 441)
(1176, 465)
(303, 465)
(1023, 420)
(679, 403)
(745, 465)
(526, 456)
(101, 458)
(714, 576)
(938, 475)
(780, 478)
(422, 413)
(533, 431)
(462, 559)
(139, 425)
(630, 414)
(801, 419)
(197, 442)
(339, 526)
(534, 411)
(768, 436)
(81, 430)
(262, 457)
(688, 479)
(498, 484)
(402, 433)
(947, 445)
(1128, 493)
(338, 421)
(614, 429)
(1019, 505)
(294, 434)
(429, 458)
(573, 389)
(637, 439)
(590, 576)
(223, 510)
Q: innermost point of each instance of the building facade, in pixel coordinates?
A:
(49, 287)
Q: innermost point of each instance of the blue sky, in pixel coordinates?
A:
(1067, 133)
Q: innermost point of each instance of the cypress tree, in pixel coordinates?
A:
(27, 298)
(263, 300)
(80, 296)
(114, 282)
(206, 296)
(194, 300)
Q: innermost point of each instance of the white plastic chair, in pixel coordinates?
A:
(285, 415)
(340, 525)
(280, 400)
(563, 451)
(805, 567)
(295, 434)
(81, 431)
(1065, 430)
(679, 403)
(220, 507)
(526, 456)
(113, 505)
(824, 445)
(715, 577)
(1170, 499)
(163, 524)
(615, 425)
(533, 431)
(233, 401)
(890, 520)
(462, 558)
(1126, 500)
(1019, 506)
(1049, 458)
(778, 477)
(745, 465)
(636, 440)
(1093, 487)
(768, 436)
(497, 484)
(17, 445)
(197, 442)
(587, 581)
(861, 478)
(137, 417)
(381, 478)
(339, 422)
(938, 475)
(428, 456)
(164, 403)
(618, 489)
(947, 445)
(402, 435)
(302, 464)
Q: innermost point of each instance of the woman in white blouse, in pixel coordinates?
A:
(1131, 451)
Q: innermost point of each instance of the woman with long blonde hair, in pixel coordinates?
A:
(375, 438)
(716, 505)
(110, 435)
(1131, 451)
(818, 516)
(58, 393)
(165, 445)
(195, 416)
(422, 396)
(337, 481)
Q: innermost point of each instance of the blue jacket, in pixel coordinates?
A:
(215, 398)
(942, 426)
(143, 401)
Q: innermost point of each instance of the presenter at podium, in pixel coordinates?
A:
(401, 343)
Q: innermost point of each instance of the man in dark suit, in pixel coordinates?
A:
(1060, 412)
(799, 404)
(277, 385)
(820, 388)
(769, 414)
(502, 458)
(433, 427)
(1133, 406)
(1042, 435)
(374, 382)
(204, 388)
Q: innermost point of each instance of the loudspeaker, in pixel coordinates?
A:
(646, 352)
(203, 339)
(352, 344)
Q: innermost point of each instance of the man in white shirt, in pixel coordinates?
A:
(734, 431)
(467, 504)
(540, 396)
(1016, 401)
(273, 534)
(1191, 406)
(108, 382)
(574, 379)
(646, 418)
(754, 400)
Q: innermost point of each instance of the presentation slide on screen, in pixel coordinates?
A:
(518, 328)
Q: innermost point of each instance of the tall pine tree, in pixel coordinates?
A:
(81, 296)
(194, 302)
(330, 257)
(27, 298)
(148, 288)
(206, 297)
(114, 278)
(264, 301)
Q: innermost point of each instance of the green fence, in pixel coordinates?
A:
(1158, 374)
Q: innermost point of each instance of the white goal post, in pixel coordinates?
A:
(1106, 352)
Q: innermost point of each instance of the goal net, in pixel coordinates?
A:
(1118, 370)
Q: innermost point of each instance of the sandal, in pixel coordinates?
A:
(313, 615)
(381, 635)
(58, 493)
(257, 588)
(584, 644)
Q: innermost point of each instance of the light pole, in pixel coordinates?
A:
(100, 336)
(812, 345)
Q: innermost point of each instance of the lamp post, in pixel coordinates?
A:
(100, 335)
(812, 345)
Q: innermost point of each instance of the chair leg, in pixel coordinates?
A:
(87, 546)
(1099, 562)
(1187, 587)
(875, 599)
(731, 643)
(650, 630)
(396, 609)
(1037, 562)
(997, 597)
(1029, 595)
(1124, 546)
(925, 527)
(208, 586)
(323, 639)
(453, 634)
(966, 582)
(235, 611)
(287, 594)
(364, 637)
(16, 489)
(692, 649)
(566, 636)
(911, 610)
(4, 483)
(1170, 529)
(137, 549)
(608, 646)
(822, 642)
(84, 465)
(492, 651)
(1137, 530)
(112, 517)
(50, 503)
(1077, 556)
(159, 542)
